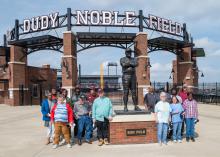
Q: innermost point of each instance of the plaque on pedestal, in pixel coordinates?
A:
(131, 128)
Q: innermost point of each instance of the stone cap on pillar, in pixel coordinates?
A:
(46, 66)
(69, 32)
(141, 33)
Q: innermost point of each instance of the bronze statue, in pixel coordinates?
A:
(128, 64)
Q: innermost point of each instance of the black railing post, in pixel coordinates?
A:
(69, 19)
(16, 29)
(79, 74)
(5, 40)
(203, 91)
(216, 92)
(141, 18)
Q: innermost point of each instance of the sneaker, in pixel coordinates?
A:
(72, 141)
(101, 142)
(69, 145)
(160, 143)
(193, 140)
(89, 141)
(48, 141)
(106, 141)
(55, 146)
(174, 141)
(180, 141)
(62, 142)
(165, 143)
(79, 142)
(187, 139)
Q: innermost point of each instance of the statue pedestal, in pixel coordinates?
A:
(133, 129)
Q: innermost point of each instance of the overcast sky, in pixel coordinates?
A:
(202, 19)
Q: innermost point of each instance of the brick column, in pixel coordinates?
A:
(142, 70)
(184, 68)
(174, 67)
(17, 72)
(69, 62)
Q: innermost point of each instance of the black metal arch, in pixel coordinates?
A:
(102, 45)
(87, 40)
(67, 21)
(30, 51)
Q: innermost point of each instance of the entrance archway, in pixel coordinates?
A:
(21, 46)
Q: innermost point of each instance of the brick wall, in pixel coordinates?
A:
(118, 132)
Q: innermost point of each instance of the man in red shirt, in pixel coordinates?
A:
(92, 95)
(183, 93)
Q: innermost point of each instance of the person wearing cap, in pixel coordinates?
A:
(102, 114)
(162, 116)
(75, 97)
(46, 108)
(82, 110)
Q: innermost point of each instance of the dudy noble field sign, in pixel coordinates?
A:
(102, 18)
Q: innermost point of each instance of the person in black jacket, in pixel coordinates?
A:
(150, 99)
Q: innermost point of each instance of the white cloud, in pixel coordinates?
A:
(212, 48)
(160, 72)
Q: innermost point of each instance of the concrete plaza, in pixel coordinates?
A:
(22, 135)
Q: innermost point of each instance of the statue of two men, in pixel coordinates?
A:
(129, 64)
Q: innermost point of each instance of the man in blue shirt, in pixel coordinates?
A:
(102, 114)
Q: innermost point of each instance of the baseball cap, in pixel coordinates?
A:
(83, 97)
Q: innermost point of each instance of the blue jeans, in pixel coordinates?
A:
(190, 125)
(177, 127)
(84, 121)
(162, 132)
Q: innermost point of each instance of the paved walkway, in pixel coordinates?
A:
(22, 135)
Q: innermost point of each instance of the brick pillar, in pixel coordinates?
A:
(184, 68)
(17, 72)
(69, 62)
(142, 70)
(174, 67)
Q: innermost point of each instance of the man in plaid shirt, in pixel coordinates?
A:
(191, 116)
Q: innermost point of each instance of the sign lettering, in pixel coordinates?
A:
(102, 18)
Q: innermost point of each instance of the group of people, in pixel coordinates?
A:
(64, 116)
(172, 112)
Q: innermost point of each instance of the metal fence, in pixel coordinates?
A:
(204, 92)
(208, 93)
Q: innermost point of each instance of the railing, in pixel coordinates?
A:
(204, 92)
